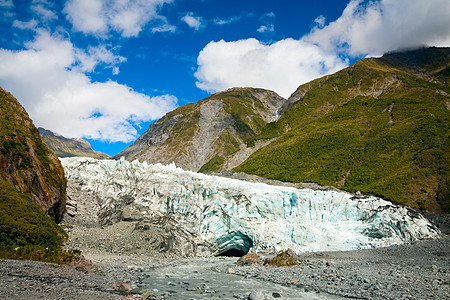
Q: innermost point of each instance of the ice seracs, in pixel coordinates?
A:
(223, 214)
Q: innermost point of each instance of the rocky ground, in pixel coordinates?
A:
(36, 280)
(417, 271)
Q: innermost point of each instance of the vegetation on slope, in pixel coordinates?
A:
(244, 110)
(32, 184)
(26, 232)
(26, 162)
(380, 127)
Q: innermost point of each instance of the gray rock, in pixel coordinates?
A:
(166, 140)
(256, 295)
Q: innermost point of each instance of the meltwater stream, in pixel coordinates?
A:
(199, 278)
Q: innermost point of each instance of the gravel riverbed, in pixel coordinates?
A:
(413, 271)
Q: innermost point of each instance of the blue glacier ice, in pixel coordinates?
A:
(223, 213)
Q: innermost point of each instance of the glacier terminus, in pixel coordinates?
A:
(213, 214)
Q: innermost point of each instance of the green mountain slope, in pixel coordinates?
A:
(26, 162)
(211, 134)
(65, 147)
(380, 126)
(32, 189)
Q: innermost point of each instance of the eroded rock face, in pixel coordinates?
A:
(214, 128)
(26, 162)
(219, 214)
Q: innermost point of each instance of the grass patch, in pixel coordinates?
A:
(213, 165)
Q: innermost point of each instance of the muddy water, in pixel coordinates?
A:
(207, 279)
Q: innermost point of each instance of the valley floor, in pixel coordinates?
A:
(416, 271)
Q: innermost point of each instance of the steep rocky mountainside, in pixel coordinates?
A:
(32, 189)
(209, 135)
(26, 162)
(380, 126)
(66, 147)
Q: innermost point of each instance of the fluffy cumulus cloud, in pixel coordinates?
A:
(364, 28)
(59, 96)
(127, 17)
(280, 66)
(376, 27)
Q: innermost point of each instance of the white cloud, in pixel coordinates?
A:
(281, 66)
(96, 55)
(43, 12)
(376, 27)
(6, 4)
(127, 17)
(47, 79)
(163, 26)
(320, 21)
(192, 20)
(268, 15)
(6, 10)
(365, 28)
(42, 15)
(219, 21)
(264, 28)
(87, 16)
(32, 24)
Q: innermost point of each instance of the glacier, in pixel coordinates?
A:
(220, 214)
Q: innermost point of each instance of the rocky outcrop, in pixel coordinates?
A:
(26, 162)
(209, 135)
(210, 215)
(65, 147)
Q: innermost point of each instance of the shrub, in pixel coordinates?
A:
(26, 232)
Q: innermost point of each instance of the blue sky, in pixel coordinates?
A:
(104, 70)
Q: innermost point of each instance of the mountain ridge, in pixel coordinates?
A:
(210, 134)
(379, 126)
(69, 147)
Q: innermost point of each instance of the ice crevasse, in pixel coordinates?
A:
(230, 214)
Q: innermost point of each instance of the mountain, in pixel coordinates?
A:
(380, 127)
(32, 188)
(65, 147)
(211, 134)
(26, 162)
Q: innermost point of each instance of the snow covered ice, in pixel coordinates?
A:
(224, 214)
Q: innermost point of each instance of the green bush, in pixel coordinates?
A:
(213, 165)
(26, 232)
